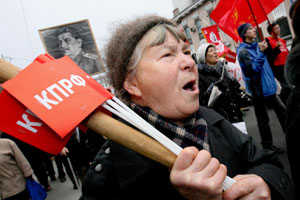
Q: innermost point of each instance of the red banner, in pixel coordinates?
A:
(229, 14)
(230, 56)
(211, 35)
(19, 122)
(59, 92)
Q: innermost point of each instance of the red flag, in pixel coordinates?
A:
(19, 122)
(59, 92)
(211, 35)
(229, 14)
(230, 56)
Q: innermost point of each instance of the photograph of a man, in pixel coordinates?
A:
(76, 41)
(70, 43)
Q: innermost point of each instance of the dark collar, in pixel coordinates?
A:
(211, 116)
(292, 65)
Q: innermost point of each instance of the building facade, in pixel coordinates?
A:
(193, 15)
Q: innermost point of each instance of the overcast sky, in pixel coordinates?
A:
(20, 21)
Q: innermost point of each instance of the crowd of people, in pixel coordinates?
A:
(73, 160)
(151, 69)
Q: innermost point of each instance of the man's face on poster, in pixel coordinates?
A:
(69, 45)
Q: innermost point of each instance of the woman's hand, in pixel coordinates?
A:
(64, 151)
(263, 46)
(249, 187)
(278, 43)
(197, 175)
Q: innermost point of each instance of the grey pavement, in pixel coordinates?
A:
(65, 191)
(62, 191)
(277, 133)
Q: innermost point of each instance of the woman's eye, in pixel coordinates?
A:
(167, 55)
(187, 52)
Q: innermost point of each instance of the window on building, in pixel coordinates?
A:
(279, 14)
(209, 9)
(199, 29)
(285, 31)
(198, 25)
(188, 34)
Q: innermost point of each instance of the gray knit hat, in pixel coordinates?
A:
(122, 44)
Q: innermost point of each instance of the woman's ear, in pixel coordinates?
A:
(131, 86)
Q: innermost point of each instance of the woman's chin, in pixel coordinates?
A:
(191, 108)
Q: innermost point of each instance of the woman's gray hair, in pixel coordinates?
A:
(155, 36)
(128, 43)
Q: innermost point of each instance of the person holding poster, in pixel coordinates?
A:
(152, 70)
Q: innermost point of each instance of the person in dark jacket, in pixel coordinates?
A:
(81, 148)
(152, 70)
(277, 53)
(212, 72)
(260, 83)
(293, 106)
(62, 163)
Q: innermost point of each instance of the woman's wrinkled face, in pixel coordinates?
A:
(166, 80)
(211, 56)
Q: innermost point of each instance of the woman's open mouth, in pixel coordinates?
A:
(191, 86)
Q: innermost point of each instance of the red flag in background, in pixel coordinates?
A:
(211, 35)
(229, 14)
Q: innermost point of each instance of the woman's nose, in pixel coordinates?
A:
(188, 62)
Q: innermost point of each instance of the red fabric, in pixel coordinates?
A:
(229, 14)
(74, 96)
(280, 58)
(230, 56)
(211, 35)
(38, 134)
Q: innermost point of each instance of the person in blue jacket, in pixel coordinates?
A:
(260, 83)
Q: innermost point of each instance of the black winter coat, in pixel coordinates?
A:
(292, 68)
(228, 103)
(119, 173)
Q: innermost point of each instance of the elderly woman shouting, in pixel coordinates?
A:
(152, 70)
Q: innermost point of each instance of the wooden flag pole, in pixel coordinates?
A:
(111, 128)
(7, 70)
